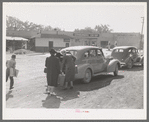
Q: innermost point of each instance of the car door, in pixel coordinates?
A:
(92, 60)
(101, 62)
(134, 55)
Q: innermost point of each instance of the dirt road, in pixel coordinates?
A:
(105, 91)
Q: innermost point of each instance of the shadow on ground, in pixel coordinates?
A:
(97, 82)
(51, 102)
(9, 95)
(134, 68)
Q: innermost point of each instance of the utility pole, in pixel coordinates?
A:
(142, 25)
(141, 41)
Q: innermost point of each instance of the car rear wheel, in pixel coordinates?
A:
(88, 76)
(130, 64)
(116, 70)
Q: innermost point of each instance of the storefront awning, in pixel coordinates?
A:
(16, 38)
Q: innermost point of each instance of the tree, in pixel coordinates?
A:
(47, 28)
(85, 30)
(98, 28)
(13, 23)
(103, 28)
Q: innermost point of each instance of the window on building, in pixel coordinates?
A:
(104, 44)
(86, 43)
(66, 40)
(77, 40)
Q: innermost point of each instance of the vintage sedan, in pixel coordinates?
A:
(128, 56)
(90, 61)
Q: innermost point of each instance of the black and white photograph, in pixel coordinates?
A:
(74, 60)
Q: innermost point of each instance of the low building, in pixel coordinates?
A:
(44, 42)
(60, 39)
(21, 33)
(14, 43)
(127, 39)
(102, 39)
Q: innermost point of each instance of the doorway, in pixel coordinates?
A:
(50, 45)
(104, 44)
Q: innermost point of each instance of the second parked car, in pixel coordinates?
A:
(128, 56)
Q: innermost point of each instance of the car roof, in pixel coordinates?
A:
(124, 47)
(80, 47)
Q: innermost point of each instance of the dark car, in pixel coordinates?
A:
(128, 56)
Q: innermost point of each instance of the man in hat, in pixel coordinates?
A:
(68, 66)
(53, 71)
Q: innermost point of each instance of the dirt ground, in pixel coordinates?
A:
(124, 91)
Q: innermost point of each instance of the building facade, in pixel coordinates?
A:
(45, 40)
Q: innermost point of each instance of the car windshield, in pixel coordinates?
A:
(118, 51)
(73, 52)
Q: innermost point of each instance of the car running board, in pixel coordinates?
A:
(101, 73)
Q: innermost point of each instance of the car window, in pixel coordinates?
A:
(92, 53)
(129, 50)
(118, 50)
(121, 50)
(86, 54)
(99, 53)
(136, 51)
(133, 50)
(73, 52)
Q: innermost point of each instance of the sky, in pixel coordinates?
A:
(121, 17)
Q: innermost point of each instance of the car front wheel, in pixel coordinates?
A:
(116, 70)
(130, 64)
(88, 76)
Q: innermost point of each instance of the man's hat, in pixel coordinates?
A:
(52, 51)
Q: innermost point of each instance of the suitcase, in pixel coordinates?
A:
(61, 79)
(16, 72)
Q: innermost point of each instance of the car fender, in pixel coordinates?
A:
(81, 70)
(112, 64)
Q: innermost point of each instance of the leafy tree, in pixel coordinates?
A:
(98, 28)
(13, 23)
(85, 30)
(47, 28)
(103, 28)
